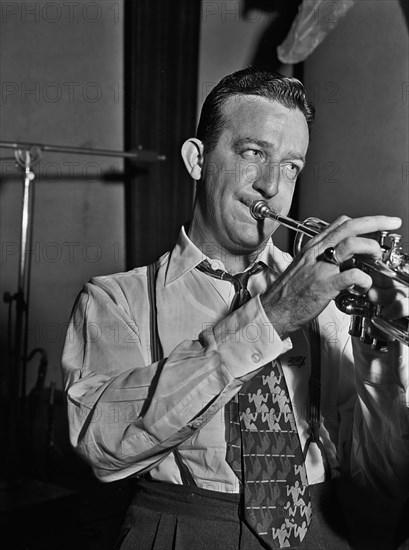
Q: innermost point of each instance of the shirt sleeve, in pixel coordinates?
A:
(125, 416)
(374, 442)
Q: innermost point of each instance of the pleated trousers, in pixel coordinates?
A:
(165, 516)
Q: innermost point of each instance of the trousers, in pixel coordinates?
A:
(165, 516)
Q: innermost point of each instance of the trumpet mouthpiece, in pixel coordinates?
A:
(259, 210)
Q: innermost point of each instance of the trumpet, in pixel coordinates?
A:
(393, 264)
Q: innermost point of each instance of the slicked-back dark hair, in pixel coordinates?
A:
(273, 86)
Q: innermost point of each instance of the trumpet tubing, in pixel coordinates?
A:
(394, 264)
(260, 210)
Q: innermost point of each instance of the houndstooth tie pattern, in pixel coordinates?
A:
(264, 448)
(276, 494)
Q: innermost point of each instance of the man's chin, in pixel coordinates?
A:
(261, 232)
(251, 241)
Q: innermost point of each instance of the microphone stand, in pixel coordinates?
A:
(141, 155)
(27, 155)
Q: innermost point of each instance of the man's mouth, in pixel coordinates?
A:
(247, 203)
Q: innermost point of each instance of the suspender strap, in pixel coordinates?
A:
(314, 417)
(156, 347)
(157, 355)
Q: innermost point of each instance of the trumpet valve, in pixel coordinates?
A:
(353, 303)
(380, 345)
(356, 325)
(382, 239)
(395, 256)
(384, 246)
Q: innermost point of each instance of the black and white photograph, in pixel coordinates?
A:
(204, 274)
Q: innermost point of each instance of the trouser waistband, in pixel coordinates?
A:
(186, 500)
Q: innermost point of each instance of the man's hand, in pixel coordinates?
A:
(310, 282)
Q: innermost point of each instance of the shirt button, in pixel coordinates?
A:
(256, 357)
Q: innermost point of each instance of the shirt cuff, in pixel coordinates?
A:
(246, 340)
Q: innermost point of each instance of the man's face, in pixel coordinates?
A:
(260, 152)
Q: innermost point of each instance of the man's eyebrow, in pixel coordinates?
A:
(295, 155)
(241, 141)
(267, 145)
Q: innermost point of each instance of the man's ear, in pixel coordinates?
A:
(192, 155)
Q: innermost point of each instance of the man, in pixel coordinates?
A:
(196, 374)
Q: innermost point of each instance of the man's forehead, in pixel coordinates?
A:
(252, 115)
(241, 111)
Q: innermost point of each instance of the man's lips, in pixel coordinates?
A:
(248, 202)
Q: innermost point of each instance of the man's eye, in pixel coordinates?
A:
(291, 171)
(253, 154)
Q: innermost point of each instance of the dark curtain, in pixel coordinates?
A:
(161, 67)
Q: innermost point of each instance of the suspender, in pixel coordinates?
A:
(314, 417)
(156, 347)
(157, 355)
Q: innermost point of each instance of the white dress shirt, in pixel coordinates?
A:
(126, 414)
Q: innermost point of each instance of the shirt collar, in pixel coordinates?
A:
(186, 256)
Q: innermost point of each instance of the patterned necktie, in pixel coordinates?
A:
(264, 448)
(239, 281)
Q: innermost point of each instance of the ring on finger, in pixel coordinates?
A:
(330, 255)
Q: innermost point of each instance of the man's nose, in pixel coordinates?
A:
(268, 180)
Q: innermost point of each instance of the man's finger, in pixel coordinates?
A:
(345, 227)
(396, 310)
(383, 296)
(352, 246)
(352, 277)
